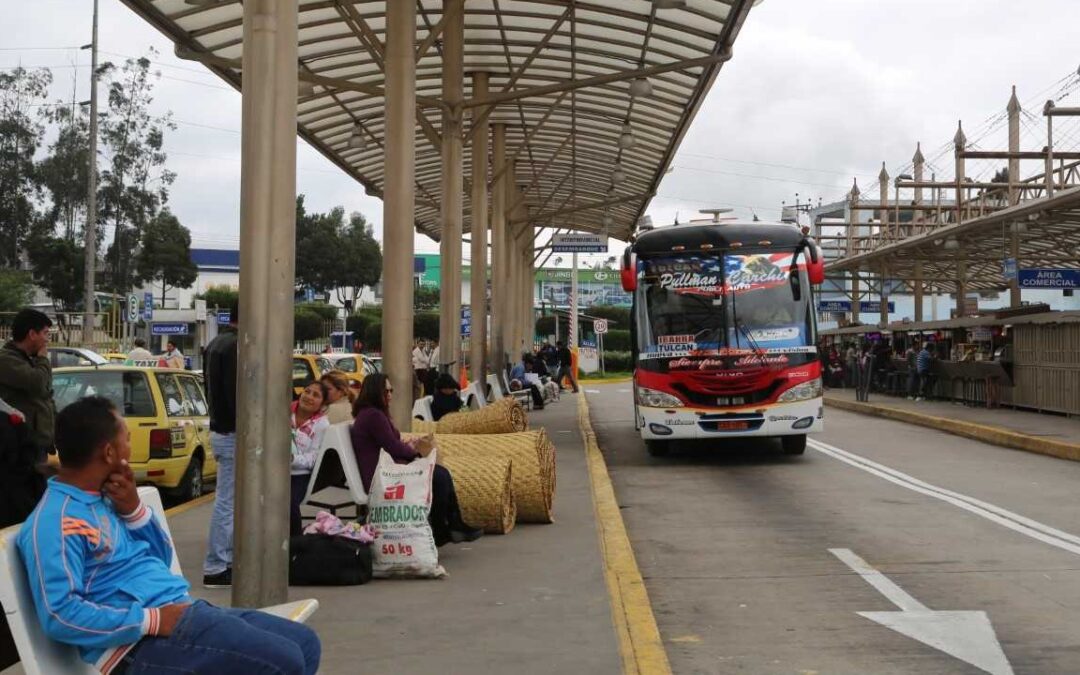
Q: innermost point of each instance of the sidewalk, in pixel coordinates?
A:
(532, 601)
(1045, 434)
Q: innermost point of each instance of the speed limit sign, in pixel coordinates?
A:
(600, 326)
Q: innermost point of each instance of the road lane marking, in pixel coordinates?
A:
(640, 647)
(1014, 521)
(965, 635)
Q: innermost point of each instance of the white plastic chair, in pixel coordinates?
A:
(40, 655)
(421, 410)
(522, 396)
(474, 395)
(338, 441)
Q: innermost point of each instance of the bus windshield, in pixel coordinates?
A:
(687, 307)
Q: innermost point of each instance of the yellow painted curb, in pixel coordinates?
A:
(640, 647)
(979, 432)
(187, 506)
(613, 380)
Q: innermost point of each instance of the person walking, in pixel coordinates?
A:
(220, 372)
(566, 366)
(911, 357)
(26, 377)
(421, 362)
(174, 358)
(851, 360)
(864, 374)
(140, 352)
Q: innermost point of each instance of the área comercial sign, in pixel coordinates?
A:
(1050, 278)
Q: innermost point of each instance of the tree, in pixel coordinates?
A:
(222, 297)
(426, 297)
(135, 182)
(165, 256)
(21, 129)
(64, 174)
(58, 266)
(16, 290)
(363, 259)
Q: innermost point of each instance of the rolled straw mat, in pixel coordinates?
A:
(501, 417)
(532, 477)
(484, 491)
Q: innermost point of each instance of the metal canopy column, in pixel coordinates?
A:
(1014, 193)
(453, 37)
(918, 285)
(852, 234)
(499, 241)
(398, 209)
(267, 246)
(478, 209)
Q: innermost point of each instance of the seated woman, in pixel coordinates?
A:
(309, 422)
(447, 397)
(339, 396)
(373, 430)
(518, 381)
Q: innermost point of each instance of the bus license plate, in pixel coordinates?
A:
(732, 426)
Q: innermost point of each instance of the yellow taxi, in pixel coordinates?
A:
(306, 368)
(115, 357)
(167, 414)
(355, 366)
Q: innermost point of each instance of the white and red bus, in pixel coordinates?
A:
(724, 332)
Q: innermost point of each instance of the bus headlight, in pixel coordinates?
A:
(801, 392)
(652, 398)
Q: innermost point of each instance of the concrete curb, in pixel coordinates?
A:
(187, 506)
(979, 432)
(640, 647)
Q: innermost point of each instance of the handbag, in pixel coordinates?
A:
(325, 560)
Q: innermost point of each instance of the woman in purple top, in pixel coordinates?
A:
(372, 430)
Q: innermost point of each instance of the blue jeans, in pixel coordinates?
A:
(210, 639)
(219, 543)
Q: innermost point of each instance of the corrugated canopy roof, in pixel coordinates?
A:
(532, 49)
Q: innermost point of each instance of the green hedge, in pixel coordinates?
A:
(307, 325)
(426, 325)
(373, 336)
(324, 311)
(617, 340)
(617, 361)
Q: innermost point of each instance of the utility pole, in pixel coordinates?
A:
(90, 230)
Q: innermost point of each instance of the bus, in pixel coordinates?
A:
(723, 332)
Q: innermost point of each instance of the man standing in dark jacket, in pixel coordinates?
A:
(220, 369)
(26, 377)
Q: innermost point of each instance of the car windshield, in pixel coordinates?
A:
(128, 390)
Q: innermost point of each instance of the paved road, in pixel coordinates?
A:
(734, 541)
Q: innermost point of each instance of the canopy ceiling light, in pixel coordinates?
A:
(608, 220)
(626, 138)
(356, 139)
(640, 86)
(951, 244)
(305, 88)
(1019, 227)
(618, 176)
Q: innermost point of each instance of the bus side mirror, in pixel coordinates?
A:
(815, 272)
(796, 286)
(628, 272)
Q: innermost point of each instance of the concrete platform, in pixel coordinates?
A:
(1046, 434)
(532, 601)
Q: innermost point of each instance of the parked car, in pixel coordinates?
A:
(62, 357)
(166, 414)
(355, 366)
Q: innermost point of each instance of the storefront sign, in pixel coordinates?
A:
(466, 321)
(169, 329)
(1047, 278)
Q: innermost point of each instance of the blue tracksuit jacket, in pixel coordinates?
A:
(97, 576)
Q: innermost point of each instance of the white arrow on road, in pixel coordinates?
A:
(968, 636)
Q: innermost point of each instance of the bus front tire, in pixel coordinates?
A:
(793, 445)
(658, 448)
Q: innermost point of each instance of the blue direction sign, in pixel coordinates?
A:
(224, 316)
(148, 306)
(834, 305)
(874, 307)
(1008, 268)
(466, 321)
(169, 329)
(1047, 278)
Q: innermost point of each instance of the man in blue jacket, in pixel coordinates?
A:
(98, 568)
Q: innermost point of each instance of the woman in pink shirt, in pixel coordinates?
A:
(309, 422)
(372, 430)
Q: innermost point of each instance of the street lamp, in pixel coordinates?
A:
(356, 139)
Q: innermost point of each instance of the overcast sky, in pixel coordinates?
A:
(819, 91)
